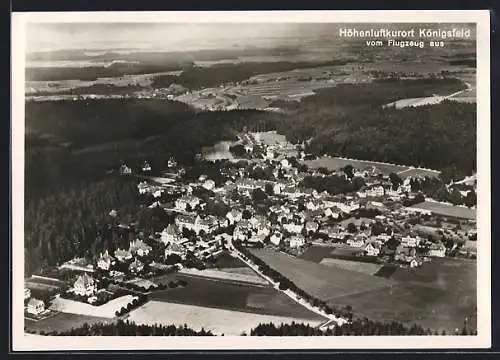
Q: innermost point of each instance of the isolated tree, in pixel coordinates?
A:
(258, 195)
(396, 180)
(348, 171)
(269, 189)
(351, 227)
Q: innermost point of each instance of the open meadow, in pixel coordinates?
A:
(438, 295)
(318, 280)
(222, 294)
(335, 164)
(219, 321)
(351, 265)
(63, 322)
(447, 210)
(318, 253)
(106, 310)
(415, 172)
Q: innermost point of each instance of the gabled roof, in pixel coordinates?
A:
(174, 247)
(84, 281)
(136, 263)
(171, 229)
(106, 256)
(35, 302)
(122, 253)
(139, 245)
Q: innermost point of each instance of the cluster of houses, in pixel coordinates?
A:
(297, 216)
(34, 306)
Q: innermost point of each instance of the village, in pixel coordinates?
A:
(259, 201)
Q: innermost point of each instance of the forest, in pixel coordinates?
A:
(72, 222)
(359, 327)
(126, 328)
(195, 78)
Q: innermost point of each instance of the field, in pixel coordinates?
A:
(225, 260)
(223, 275)
(318, 253)
(219, 321)
(447, 210)
(143, 283)
(438, 295)
(63, 322)
(356, 266)
(318, 280)
(418, 172)
(232, 296)
(335, 163)
(42, 284)
(106, 310)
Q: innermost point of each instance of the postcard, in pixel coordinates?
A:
(250, 180)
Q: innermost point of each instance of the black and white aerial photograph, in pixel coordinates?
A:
(187, 178)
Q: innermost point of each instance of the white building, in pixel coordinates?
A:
(437, 250)
(409, 241)
(312, 226)
(84, 285)
(276, 238)
(196, 223)
(146, 167)
(27, 293)
(122, 255)
(356, 242)
(375, 191)
(372, 249)
(293, 228)
(36, 306)
(105, 261)
(234, 216)
(209, 184)
(139, 247)
(182, 202)
(297, 241)
(170, 234)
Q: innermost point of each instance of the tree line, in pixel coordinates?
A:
(127, 328)
(358, 327)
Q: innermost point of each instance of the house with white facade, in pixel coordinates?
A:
(122, 255)
(85, 285)
(171, 233)
(312, 226)
(437, 250)
(105, 261)
(183, 202)
(175, 249)
(209, 184)
(409, 241)
(372, 248)
(234, 216)
(293, 227)
(136, 266)
(297, 241)
(139, 247)
(35, 306)
(356, 242)
(196, 223)
(276, 238)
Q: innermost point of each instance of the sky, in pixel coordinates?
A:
(171, 37)
(179, 37)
